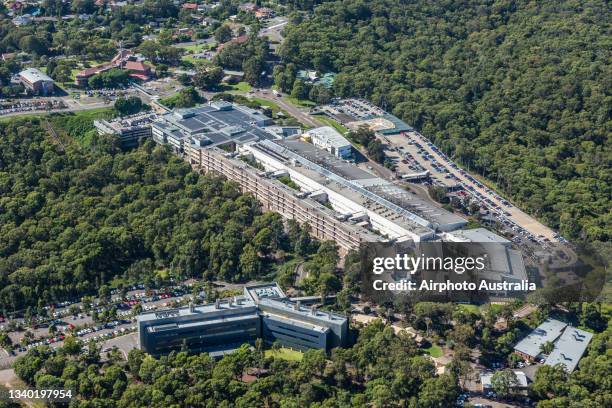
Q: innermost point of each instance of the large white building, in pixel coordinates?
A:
(36, 82)
(329, 139)
(353, 193)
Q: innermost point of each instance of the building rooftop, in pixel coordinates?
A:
(485, 379)
(264, 291)
(550, 330)
(233, 304)
(126, 123)
(481, 235)
(372, 192)
(329, 136)
(569, 348)
(218, 123)
(34, 75)
(136, 66)
(304, 314)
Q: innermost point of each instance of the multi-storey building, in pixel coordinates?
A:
(36, 82)
(325, 223)
(263, 311)
(130, 130)
(340, 201)
(329, 139)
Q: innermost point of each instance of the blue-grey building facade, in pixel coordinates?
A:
(262, 312)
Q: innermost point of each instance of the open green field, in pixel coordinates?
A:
(434, 351)
(285, 354)
(264, 102)
(468, 308)
(299, 102)
(241, 87)
(195, 48)
(193, 60)
(336, 125)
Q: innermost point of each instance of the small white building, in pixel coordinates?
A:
(520, 384)
(22, 20)
(329, 139)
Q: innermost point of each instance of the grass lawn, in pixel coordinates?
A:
(264, 102)
(286, 354)
(336, 125)
(91, 114)
(434, 351)
(496, 308)
(469, 308)
(299, 102)
(194, 47)
(6, 119)
(193, 60)
(74, 72)
(241, 87)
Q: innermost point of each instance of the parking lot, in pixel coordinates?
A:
(11, 106)
(82, 326)
(417, 153)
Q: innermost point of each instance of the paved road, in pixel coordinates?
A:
(71, 108)
(273, 31)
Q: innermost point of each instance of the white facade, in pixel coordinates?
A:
(340, 201)
(329, 139)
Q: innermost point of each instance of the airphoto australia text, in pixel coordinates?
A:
(410, 265)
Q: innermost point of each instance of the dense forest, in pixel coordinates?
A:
(381, 370)
(74, 220)
(518, 91)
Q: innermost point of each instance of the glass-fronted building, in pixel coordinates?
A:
(218, 328)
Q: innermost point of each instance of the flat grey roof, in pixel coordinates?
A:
(288, 308)
(397, 195)
(481, 235)
(198, 310)
(325, 159)
(295, 322)
(336, 180)
(264, 291)
(569, 348)
(550, 330)
(485, 379)
(204, 322)
(34, 75)
(330, 135)
(221, 123)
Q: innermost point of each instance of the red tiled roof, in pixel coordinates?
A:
(136, 66)
(237, 40)
(190, 6)
(140, 76)
(240, 40)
